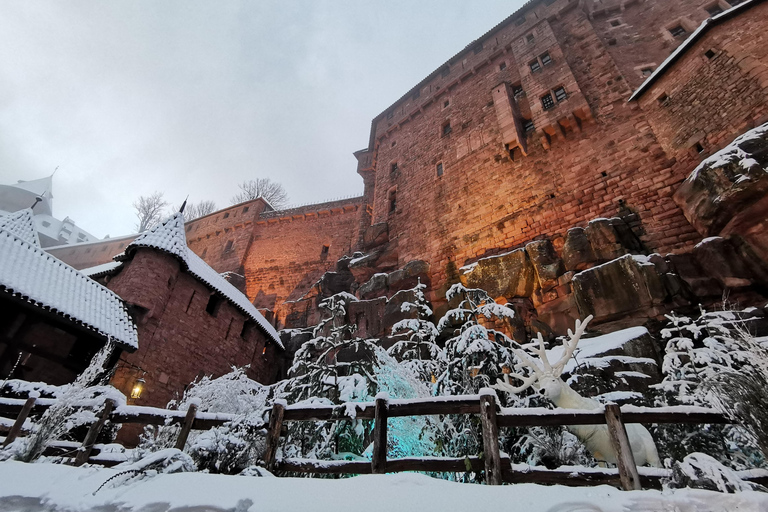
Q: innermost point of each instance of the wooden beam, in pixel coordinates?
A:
(379, 459)
(490, 438)
(273, 434)
(630, 480)
(186, 427)
(84, 452)
(19, 423)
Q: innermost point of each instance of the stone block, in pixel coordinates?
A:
(376, 286)
(546, 263)
(577, 251)
(622, 287)
(367, 315)
(376, 235)
(507, 275)
(604, 240)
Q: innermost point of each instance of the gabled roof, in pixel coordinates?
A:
(32, 275)
(22, 225)
(169, 236)
(688, 44)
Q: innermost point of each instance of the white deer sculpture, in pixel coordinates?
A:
(545, 378)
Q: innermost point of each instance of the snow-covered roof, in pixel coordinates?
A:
(169, 236)
(29, 273)
(689, 42)
(101, 270)
(22, 225)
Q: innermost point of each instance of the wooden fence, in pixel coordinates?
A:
(497, 469)
(189, 420)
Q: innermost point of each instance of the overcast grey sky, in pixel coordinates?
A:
(192, 97)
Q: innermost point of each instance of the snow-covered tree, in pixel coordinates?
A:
(475, 354)
(420, 351)
(713, 361)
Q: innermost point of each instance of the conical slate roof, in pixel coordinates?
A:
(20, 224)
(169, 236)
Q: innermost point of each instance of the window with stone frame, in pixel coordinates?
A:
(714, 9)
(545, 59)
(517, 90)
(530, 39)
(547, 102)
(560, 94)
(393, 168)
(535, 66)
(392, 201)
(447, 129)
(440, 169)
(678, 31)
(228, 247)
(528, 125)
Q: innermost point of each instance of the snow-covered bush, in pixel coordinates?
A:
(229, 448)
(701, 471)
(713, 361)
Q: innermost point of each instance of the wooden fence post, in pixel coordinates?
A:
(189, 419)
(630, 479)
(379, 459)
(90, 438)
(20, 419)
(273, 435)
(490, 437)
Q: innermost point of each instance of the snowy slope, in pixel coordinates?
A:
(49, 487)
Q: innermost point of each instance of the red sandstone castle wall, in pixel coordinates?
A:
(178, 339)
(287, 255)
(222, 238)
(717, 90)
(87, 255)
(602, 159)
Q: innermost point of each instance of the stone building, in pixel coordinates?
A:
(559, 141)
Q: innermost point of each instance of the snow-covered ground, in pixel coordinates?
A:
(50, 487)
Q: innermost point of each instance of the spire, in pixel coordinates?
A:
(167, 236)
(21, 225)
(183, 205)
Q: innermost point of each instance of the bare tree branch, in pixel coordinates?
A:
(149, 210)
(271, 191)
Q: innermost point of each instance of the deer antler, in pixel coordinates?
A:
(569, 345)
(504, 385)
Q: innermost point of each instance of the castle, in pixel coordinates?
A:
(559, 140)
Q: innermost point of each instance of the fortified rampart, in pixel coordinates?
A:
(566, 112)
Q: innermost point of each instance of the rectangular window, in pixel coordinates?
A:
(560, 94)
(529, 39)
(440, 169)
(535, 66)
(246, 208)
(677, 31)
(447, 129)
(324, 252)
(502, 66)
(392, 201)
(517, 90)
(228, 247)
(446, 103)
(393, 168)
(714, 10)
(546, 59)
(663, 99)
(710, 54)
(213, 304)
(226, 215)
(547, 102)
(528, 126)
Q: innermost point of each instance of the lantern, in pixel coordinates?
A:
(138, 387)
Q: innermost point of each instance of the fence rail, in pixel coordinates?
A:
(497, 468)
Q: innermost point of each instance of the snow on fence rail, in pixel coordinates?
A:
(497, 468)
(114, 413)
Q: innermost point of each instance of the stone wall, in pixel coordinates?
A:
(181, 337)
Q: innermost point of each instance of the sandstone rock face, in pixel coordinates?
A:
(507, 275)
(546, 263)
(617, 288)
(604, 240)
(385, 285)
(577, 251)
(726, 187)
